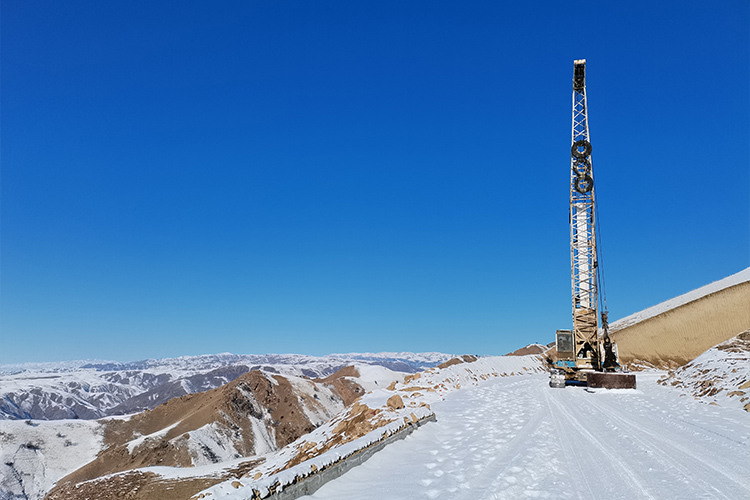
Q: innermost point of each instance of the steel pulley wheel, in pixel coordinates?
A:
(584, 184)
(582, 167)
(583, 143)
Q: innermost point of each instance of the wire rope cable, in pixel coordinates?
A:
(599, 259)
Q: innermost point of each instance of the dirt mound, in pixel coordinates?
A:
(681, 334)
(720, 375)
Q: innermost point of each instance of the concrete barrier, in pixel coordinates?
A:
(310, 484)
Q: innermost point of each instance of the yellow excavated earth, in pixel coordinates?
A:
(679, 335)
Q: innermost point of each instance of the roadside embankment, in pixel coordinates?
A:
(668, 337)
(371, 423)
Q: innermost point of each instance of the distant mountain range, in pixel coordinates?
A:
(95, 389)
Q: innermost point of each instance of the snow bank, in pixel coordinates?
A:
(719, 376)
(372, 377)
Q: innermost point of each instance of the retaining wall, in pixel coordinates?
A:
(310, 484)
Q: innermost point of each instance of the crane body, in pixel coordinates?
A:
(586, 353)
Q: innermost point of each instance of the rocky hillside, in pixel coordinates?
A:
(255, 414)
(720, 375)
(251, 415)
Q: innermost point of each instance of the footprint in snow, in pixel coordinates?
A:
(535, 494)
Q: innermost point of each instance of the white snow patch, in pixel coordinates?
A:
(135, 443)
(373, 377)
(35, 455)
(264, 441)
(320, 405)
(209, 445)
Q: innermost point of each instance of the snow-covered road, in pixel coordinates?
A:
(515, 437)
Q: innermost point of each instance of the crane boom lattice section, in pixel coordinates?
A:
(583, 228)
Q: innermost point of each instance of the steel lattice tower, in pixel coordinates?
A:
(583, 254)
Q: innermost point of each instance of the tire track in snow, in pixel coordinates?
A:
(568, 449)
(517, 438)
(577, 424)
(669, 459)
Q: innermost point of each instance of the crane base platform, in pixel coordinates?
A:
(607, 380)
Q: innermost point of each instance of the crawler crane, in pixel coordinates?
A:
(585, 354)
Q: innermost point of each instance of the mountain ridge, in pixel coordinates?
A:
(90, 390)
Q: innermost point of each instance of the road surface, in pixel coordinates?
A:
(515, 437)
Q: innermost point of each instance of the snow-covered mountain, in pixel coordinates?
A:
(256, 413)
(95, 389)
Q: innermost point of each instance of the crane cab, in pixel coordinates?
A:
(566, 355)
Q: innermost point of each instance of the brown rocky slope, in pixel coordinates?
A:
(255, 413)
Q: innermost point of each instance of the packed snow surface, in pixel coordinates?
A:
(515, 437)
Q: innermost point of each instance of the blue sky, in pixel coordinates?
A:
(186, 178)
